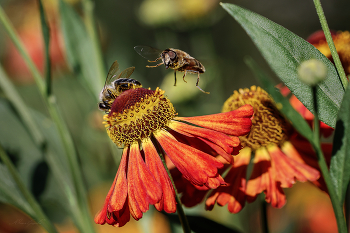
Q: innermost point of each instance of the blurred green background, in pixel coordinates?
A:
(201, 28)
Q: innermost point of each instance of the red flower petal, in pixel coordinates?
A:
(263, 179)
(206, 146)
(301, 150)
(143, 189)
(122, 216)
(287, 170)
(198, 167)
(234, 194)
(236, 123)
(120, 191)
(155, 165)
(224, 141)
(191, 194)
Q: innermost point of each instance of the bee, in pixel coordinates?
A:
(115, 85)
(175, 59)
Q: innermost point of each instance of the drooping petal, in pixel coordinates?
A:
(262, 179)
(233, 194)
(301, 150)
(143, 188)
(155, 165)
(121, 217)
(288, 170)
(224, 141)
(236, 123)
(120, 190)
(113, 202)
(196, 166)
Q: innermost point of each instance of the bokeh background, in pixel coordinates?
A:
(201, 28)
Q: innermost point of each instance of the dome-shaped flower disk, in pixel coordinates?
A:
(144, 122)
(277, 164)
(341, 42)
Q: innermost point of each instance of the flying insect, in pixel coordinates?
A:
(175, 59)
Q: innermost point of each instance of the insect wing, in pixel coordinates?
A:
(148, 52)
(112, 73)
(126, 73)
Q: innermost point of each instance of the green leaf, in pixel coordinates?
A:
(267, 84)
(340, 162)
(16, 141)
(9, 192)
(21, 109)
(284, 51)
(79, 48)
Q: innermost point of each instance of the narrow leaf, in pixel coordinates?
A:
(9, 192)
(79, 48)
(14, 97)
(284, 51)
(340, 162)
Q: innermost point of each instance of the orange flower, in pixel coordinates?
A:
(277, 164)
(342, 44)
(145, 123)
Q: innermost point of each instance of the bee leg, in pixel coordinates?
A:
(184, 77)
(175, 77)
(155, 65)
(199, 87)
(155, 60)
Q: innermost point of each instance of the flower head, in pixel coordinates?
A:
(277, 164)
(342, 44)
(144, 122)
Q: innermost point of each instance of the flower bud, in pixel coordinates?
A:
(312, 72)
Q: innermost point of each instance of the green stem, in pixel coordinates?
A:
(180, 212)
(330, 42)
(338, 211)
(60, 124)
(14, 97)
(39, 215)
(264, 221)
(46, 36)
(72, 161)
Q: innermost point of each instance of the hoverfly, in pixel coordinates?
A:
(175, 59)
(115, 85)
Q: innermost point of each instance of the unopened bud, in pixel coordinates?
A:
(312, 72)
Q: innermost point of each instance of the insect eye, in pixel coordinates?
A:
(172, 55)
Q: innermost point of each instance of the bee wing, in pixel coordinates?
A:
(112, 73)
(148, 52)
(126, 73)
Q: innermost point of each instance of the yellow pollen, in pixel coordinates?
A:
(268, 125)
(150, 113)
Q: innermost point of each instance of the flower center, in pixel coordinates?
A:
(136, 114)
(268, 125)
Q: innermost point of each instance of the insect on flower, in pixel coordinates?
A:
(175, 59)
(115, 85)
